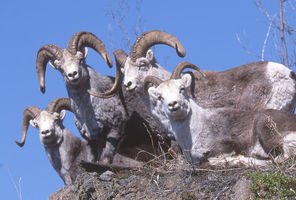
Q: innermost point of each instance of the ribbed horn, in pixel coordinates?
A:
(83, 39)
(59, 104)
(181, 66)
(46, 53)
(29, 114)
(120, 57)
(148, 39)
(151, 79)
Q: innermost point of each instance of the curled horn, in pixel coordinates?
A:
(120, 58)
(29, 114)
(148, 39)
(151, 79)
(59, 104)
(83, 39)
(181, 66)
(46, 53)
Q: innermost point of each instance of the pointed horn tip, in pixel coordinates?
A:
(42, 89)
(181, 51)
(20, 144)
(109, 62)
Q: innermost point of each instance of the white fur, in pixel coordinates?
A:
(135, 72)
(289, 145)
(197, 132)
(58, 143)
(283, 87)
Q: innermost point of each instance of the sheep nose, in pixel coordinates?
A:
(45, 132)
(128, 84)
(73, 74)
(173, 106)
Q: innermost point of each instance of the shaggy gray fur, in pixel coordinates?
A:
(204, 133)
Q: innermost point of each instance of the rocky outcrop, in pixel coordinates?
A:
(158, 183)
(175, 179)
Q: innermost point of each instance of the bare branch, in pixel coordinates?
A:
(283, 34)
(245, 48)
(139, 20)
(264, 11)
(265, 41)
(119, 11)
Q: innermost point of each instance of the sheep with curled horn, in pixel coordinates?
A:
(103, 121)
(254, 86)
(220, 135)
(65, 151)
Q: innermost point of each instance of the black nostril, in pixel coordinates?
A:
(129, 84)
(70, 75)
(173, 103)
(74, 73)
(45, 132)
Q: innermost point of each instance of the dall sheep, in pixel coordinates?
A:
(103, 121)
(65, 151)
(208, 133)
(254, 86)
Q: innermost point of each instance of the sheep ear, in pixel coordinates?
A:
(33, 123)
(85, 52)
(62, 115)
(52, 64)
(186, 79)
(150, 55)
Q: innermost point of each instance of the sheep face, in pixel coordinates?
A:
(71, 66)
(49, 125)
(171, 96)
(135, 72)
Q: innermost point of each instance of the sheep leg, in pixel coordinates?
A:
(289, 148)
(237, 160)
(112, 143)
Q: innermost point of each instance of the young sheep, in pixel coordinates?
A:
(65, 151)
(254, 86)
(216, 134)
(101, 121)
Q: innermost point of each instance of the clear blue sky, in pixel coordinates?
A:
(207, 29)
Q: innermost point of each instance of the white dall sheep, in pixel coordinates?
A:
(254, 86)
(208, 133)
(65, 151)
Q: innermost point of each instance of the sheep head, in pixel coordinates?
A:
(71, 61)
(140, 61)
(171, 95)
(48, 121)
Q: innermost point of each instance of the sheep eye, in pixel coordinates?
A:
(81, 62)
(143, 67)
(182, 89)
(159, 97)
